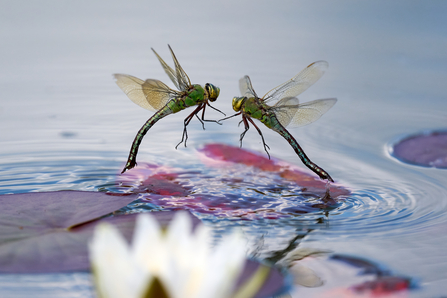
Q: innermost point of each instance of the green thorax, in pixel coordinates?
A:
(255, 108)
(191, 97)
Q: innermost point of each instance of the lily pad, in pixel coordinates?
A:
(385, 282)
(428, 150)
(48, 231)
(384, 285)
(236, 184)
(227, 153)
(153, 179)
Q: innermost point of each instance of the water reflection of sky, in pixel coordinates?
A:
(388, 68)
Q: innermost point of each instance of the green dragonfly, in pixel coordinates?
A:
(155, 96)
(280, 108)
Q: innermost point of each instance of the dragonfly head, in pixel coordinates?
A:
(237, 103)
(212, 91)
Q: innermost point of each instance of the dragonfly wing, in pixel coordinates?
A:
(169, 71)
(178, 77)
(285, 110)
(151, 94)
(246, 88)
(298, 84)
(182, 77)
(304, 113)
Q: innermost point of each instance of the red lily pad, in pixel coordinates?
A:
(428, 150)
(153, 179)
(384, 285)
(227, 153)
(385, 281)
(237, 184)
(48, 231)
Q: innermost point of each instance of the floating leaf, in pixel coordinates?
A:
(250, 186)
(153, 179)
(44, 231)
(385, 281)
(49, 232)
(226, 153)
(384, 285)
(429, 150)
(237, 184)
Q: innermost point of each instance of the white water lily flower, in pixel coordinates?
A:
(116, 272)
(184, 262)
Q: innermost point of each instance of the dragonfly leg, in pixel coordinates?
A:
(229, 117)
(208, 104)
(201, 121)
(262, 137)
(203, 115)
(247, 127)
(185, 124)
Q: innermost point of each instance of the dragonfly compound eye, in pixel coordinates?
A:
(213, 91)
(237, 103)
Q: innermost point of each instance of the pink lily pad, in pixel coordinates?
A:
(384, 285)
(428, 150)
(48, 231)
(237, 184)
(153, 179)
(227, 153)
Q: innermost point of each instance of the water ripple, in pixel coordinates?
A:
(385, 204)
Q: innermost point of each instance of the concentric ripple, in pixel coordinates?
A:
(240, 195)
(57, 171)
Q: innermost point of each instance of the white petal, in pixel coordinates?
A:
(179, 246)
(198, 261)
(148, 246)
(224, 267)
(179, 240)
(116, 274)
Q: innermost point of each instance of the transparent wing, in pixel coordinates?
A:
(246, 88)
(178, 77)
(292, 114)
(285, 109)
(298, 84)
(151, 94)
(182, 77)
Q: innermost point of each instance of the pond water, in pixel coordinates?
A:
(66, 125)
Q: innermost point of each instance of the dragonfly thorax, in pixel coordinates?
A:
(237, 103)
(212, 91)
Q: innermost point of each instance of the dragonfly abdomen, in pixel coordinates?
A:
(132, 159)
(299, 151)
